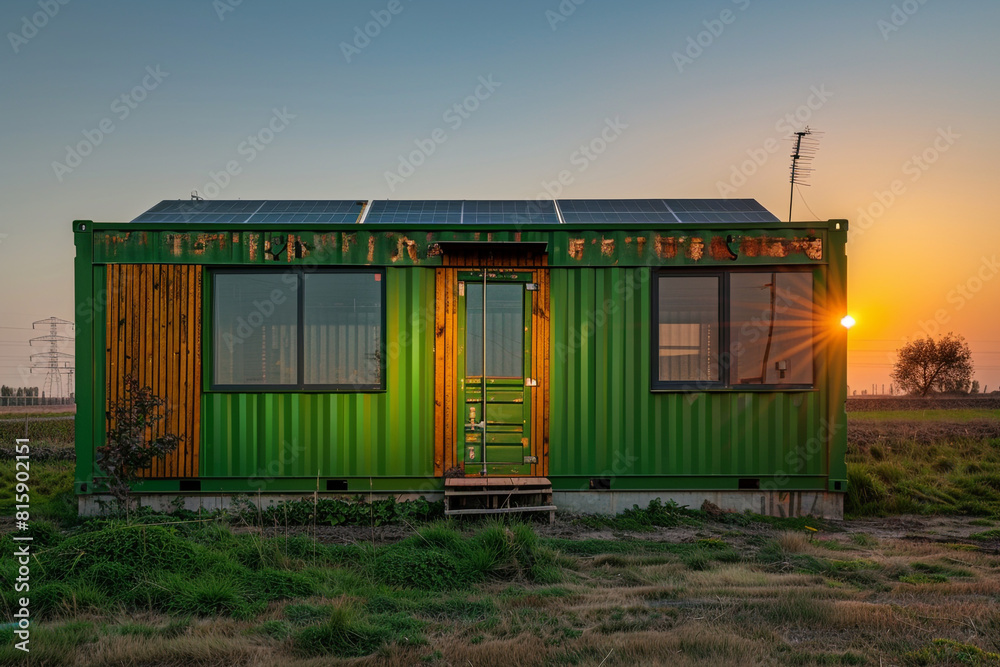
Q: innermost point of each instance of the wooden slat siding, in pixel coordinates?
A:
(446, 345)
(154, 333)
(450, 367)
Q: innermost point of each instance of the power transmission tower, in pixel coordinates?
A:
(49, 361)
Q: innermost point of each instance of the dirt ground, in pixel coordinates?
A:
(912, 528)
(35, 409)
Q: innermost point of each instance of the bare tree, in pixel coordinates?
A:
(925, 364)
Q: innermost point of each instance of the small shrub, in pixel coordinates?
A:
(149, 549)
(346, 634)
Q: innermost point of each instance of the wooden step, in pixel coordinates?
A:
(497, 495)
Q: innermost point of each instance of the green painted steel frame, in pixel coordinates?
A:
(604, 420)
(344, 245)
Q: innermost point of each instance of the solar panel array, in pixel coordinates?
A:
(615, 210)
(252, 210)
(472, 212)
(576, 211)
(720, 210)
(509, 212)
(430, 211)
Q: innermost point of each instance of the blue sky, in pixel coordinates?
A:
(694, 90)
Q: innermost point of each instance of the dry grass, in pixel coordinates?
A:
(792, 598)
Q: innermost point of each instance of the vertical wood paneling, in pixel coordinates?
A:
(153, 333)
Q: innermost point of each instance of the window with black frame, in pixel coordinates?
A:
(763, 320)
(298, 330)
(688, 334)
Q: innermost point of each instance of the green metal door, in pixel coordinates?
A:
(495, 349)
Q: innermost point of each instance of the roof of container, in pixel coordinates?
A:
(458, 211)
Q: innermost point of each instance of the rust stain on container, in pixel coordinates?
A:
(640, 243)
(814, 248)
(236, 238)
(203, 241)
(695, 249)
(347, 239)
(411, 248)
(607, 247)
(177, 242)
(576, 249)
(297, 247)
(434, 250)
(719, 249)
(666, 247)
(371, 249)
(253, 241)
(773, 247)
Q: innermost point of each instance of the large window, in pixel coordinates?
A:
(688, 329)
(736, 329)
(298, 330)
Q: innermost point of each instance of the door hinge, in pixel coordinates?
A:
(530, 382)
(530, 459)
(531, 287)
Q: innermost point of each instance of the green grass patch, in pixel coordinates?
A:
(12, 426)
(951, 652)
(349, 633)
(960, 415)
(957, 473)
(986, 535)
(335, 512)
(51, 487)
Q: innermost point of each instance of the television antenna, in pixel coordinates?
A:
(801, 169)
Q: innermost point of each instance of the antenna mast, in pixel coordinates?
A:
(805, 151)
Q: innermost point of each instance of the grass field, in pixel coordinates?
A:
(657, 585)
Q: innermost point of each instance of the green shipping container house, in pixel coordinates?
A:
(601, 353)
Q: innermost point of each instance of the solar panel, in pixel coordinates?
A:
(614, 210)
(472, 212)
(575, 211)
(277, 211)
(509, 212)
(719, 210)
(429, 212)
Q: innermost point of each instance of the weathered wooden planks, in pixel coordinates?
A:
(154, 334)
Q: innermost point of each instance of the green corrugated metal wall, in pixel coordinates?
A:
(606, 422)
(339, 435)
